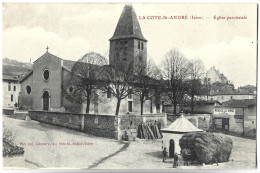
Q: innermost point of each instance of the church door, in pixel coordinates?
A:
(46, 103)
(171, 149)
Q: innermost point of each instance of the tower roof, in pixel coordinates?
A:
(128, 25)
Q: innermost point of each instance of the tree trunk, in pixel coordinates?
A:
(88, 103)
(142, 103)
(142, 107)
(175, 106)
(192, 104)
(118, 106)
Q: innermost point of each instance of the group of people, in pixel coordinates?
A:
(175, 157)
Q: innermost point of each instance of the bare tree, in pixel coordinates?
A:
(147, 82)
(195, 83)
(175, 69)
(118, 80)
(86, 75)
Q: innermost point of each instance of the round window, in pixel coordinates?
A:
(28, 89)
(46, 74)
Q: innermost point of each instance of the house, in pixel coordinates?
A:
(202, 107)
(10, 90)
(42, 87)
(236, 116)
(236, 94)
(213, 75)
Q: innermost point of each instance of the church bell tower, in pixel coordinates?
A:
(128, 43)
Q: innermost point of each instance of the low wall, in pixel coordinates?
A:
(98, 125)
(69, 120)
(108, 126)
(130, 123)
(8, 111)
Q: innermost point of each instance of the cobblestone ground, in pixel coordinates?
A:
(104, 153)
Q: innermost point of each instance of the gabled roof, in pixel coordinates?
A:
(239, 103)
(181, 125)
(25, 76)
(10, 78)
(128, 25)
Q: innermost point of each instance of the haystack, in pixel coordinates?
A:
(208, 147)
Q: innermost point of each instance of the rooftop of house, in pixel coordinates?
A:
(239, 103)
(11, 78)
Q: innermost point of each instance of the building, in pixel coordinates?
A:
(202, 107)
(42, 87)
(213, 75)
(236, 94)
(10, 90)
(236, 116)
(128, 42)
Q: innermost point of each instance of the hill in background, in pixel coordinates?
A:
(14, 67)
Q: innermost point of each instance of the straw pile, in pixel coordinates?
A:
(149, 131)
(207, 147)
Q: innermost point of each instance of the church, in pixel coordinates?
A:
(42, 87)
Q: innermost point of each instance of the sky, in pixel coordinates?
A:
(72, 30)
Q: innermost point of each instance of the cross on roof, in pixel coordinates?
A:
(47, 48)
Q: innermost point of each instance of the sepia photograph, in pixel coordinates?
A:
(165, 86)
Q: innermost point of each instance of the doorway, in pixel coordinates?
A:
(46, 102)
(171, 149)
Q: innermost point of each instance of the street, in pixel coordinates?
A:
(48, 146)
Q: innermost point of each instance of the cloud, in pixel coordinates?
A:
(236, 59)
(21, 41)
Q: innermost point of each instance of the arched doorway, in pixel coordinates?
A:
(171, 148)
(46, 103)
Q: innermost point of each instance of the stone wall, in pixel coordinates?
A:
(68, 120)
(98, 125)
(108, 126)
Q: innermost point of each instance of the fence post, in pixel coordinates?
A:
(82, 122)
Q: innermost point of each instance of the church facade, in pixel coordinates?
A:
(42, 87)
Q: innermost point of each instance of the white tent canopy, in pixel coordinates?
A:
(181, 125)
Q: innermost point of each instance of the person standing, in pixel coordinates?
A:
(175, 162)
(164, 154)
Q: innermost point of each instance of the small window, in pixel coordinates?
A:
(130, 106)
(71, 89)
(14, 88)
(9, 87)
(138, 44)
(231, 97)
(46, 74)
(253, 122)
(28, 89)
(12, 97)
(109, 93)
(142, 47)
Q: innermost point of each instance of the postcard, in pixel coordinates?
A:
(129, 86)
